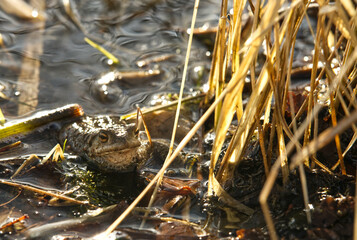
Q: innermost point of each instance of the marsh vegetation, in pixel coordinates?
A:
(267, 133)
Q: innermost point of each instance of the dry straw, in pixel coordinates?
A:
(275, 28)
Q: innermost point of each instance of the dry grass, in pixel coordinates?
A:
(275, 29)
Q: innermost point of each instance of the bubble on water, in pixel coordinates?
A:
(105, 93)
(205, 87)
(307, 58)
(110, 62)
(34, 13)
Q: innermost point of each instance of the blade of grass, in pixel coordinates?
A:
(262, 147)
(273, 174)
(184, 74)
(102, 50)
(324, 138)
(161, 107)
(255, 104)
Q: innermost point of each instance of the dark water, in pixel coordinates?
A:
(131, 30)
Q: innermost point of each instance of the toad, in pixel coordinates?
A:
(106, 141)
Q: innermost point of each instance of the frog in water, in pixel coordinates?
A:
(107, 141)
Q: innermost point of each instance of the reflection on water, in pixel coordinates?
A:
(69, 67)
(148, 37)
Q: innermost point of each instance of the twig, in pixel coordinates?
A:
(48, 193)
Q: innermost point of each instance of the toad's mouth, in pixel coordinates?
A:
(121, 160)
(115, 149)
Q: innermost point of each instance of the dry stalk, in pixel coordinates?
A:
(311, 148)
(256, 103)
(311, 98)
(48, 193)
(268, 185)
(178, 149)
(273, 79)
(231, 86)
(184, 74)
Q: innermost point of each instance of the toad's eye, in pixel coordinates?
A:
(103, 137)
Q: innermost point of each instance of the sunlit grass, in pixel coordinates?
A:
(275, 29)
